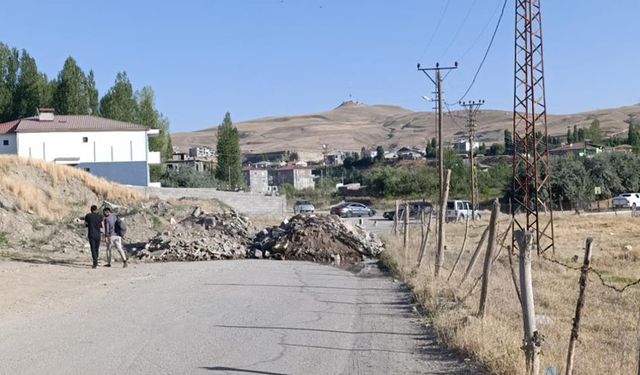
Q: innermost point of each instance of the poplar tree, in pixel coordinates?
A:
(229, 168)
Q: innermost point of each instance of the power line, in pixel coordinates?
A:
(486, 53)
(457, 33)
(435, 31)
(481, 33)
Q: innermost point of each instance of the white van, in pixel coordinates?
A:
(460, 210)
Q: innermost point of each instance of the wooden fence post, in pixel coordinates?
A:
(441, 220)
(423, 247)
(395, 219)
(488, 259)
(474, 257)
(405, 235)
(584, 279)
(532, 339)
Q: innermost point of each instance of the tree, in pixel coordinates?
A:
(229, 169)
(496, 149)
(594, 133)
(432, 149)
(9, 64)
(294, 156)
(379, 153)
(569, 136)
(72, 95)
(30, 89)
(482, 150)
(92, 94)
(508, 142)
(148, 115)
(119, 103)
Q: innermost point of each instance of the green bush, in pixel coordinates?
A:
(187, 177)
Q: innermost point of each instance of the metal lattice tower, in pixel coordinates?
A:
(472, 108)
(531, 204)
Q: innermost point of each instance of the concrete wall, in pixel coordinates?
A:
(11, 148)
(245, 203)
(126, 173)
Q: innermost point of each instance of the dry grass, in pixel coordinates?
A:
(610, 320)
(46, 189)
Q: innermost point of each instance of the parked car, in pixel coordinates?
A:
(459, 210)
(350, 209)
(627, 200)
(303, 207)
(415, 210)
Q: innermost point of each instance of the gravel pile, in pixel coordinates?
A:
(323, 239)
(201, 236)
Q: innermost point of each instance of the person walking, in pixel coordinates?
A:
(112, 237)
(93, 221)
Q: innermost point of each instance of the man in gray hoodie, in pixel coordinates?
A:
(112, 238)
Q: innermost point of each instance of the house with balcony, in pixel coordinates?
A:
(115, 150)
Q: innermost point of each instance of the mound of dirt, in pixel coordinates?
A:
(201, 236)
(323, 239)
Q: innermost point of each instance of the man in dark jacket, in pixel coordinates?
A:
(93, 221)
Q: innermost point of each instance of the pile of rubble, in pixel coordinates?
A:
(201, 236)
(324, 239)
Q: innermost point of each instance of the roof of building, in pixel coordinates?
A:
(574, 147)
(67, 124)
(290, 167)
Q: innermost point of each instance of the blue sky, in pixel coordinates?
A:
(258, 58)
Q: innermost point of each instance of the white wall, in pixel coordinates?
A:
(106, 146)
(11, 147)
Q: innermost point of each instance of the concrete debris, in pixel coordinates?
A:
(200, 236)
(323, 239)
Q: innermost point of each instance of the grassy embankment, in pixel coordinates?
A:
(608, 340)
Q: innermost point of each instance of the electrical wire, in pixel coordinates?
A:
(457, 33)
(435, 31)
(486, 53)
(481, 33)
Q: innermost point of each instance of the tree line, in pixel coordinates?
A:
(24, 89)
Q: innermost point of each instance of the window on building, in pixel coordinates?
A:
(85, 139)
(5, 142)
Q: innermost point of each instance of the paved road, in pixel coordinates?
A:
(228, 317)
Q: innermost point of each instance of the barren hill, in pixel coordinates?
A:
(352, 125)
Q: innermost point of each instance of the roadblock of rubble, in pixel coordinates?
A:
(323, 239)
(201, 236)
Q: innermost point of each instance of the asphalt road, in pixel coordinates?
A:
(225, 317)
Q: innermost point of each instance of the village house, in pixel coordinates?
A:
(256, 179)
(181, 160)
(336, 158)
(464, 146)
(203, 152)
(407, 153)
(581, 149)
(297, 176)
(115, 150)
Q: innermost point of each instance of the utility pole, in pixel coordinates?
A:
(472, 108)
(438, 83)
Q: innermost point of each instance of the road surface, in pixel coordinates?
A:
(225, 317)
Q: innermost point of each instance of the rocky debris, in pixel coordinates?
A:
(201, 236)
(324, 239)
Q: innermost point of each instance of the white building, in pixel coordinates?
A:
(115, 150)
(202, 152)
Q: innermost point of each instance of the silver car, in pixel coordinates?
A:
(303, 207)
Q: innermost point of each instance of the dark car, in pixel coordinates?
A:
(415, 210)
(352, 209)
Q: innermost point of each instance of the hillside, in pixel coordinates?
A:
(351, 126)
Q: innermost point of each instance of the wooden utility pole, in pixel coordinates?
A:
(438, 83)
(472, 110)
(584, 279)
(405, 232)
(532, 339)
